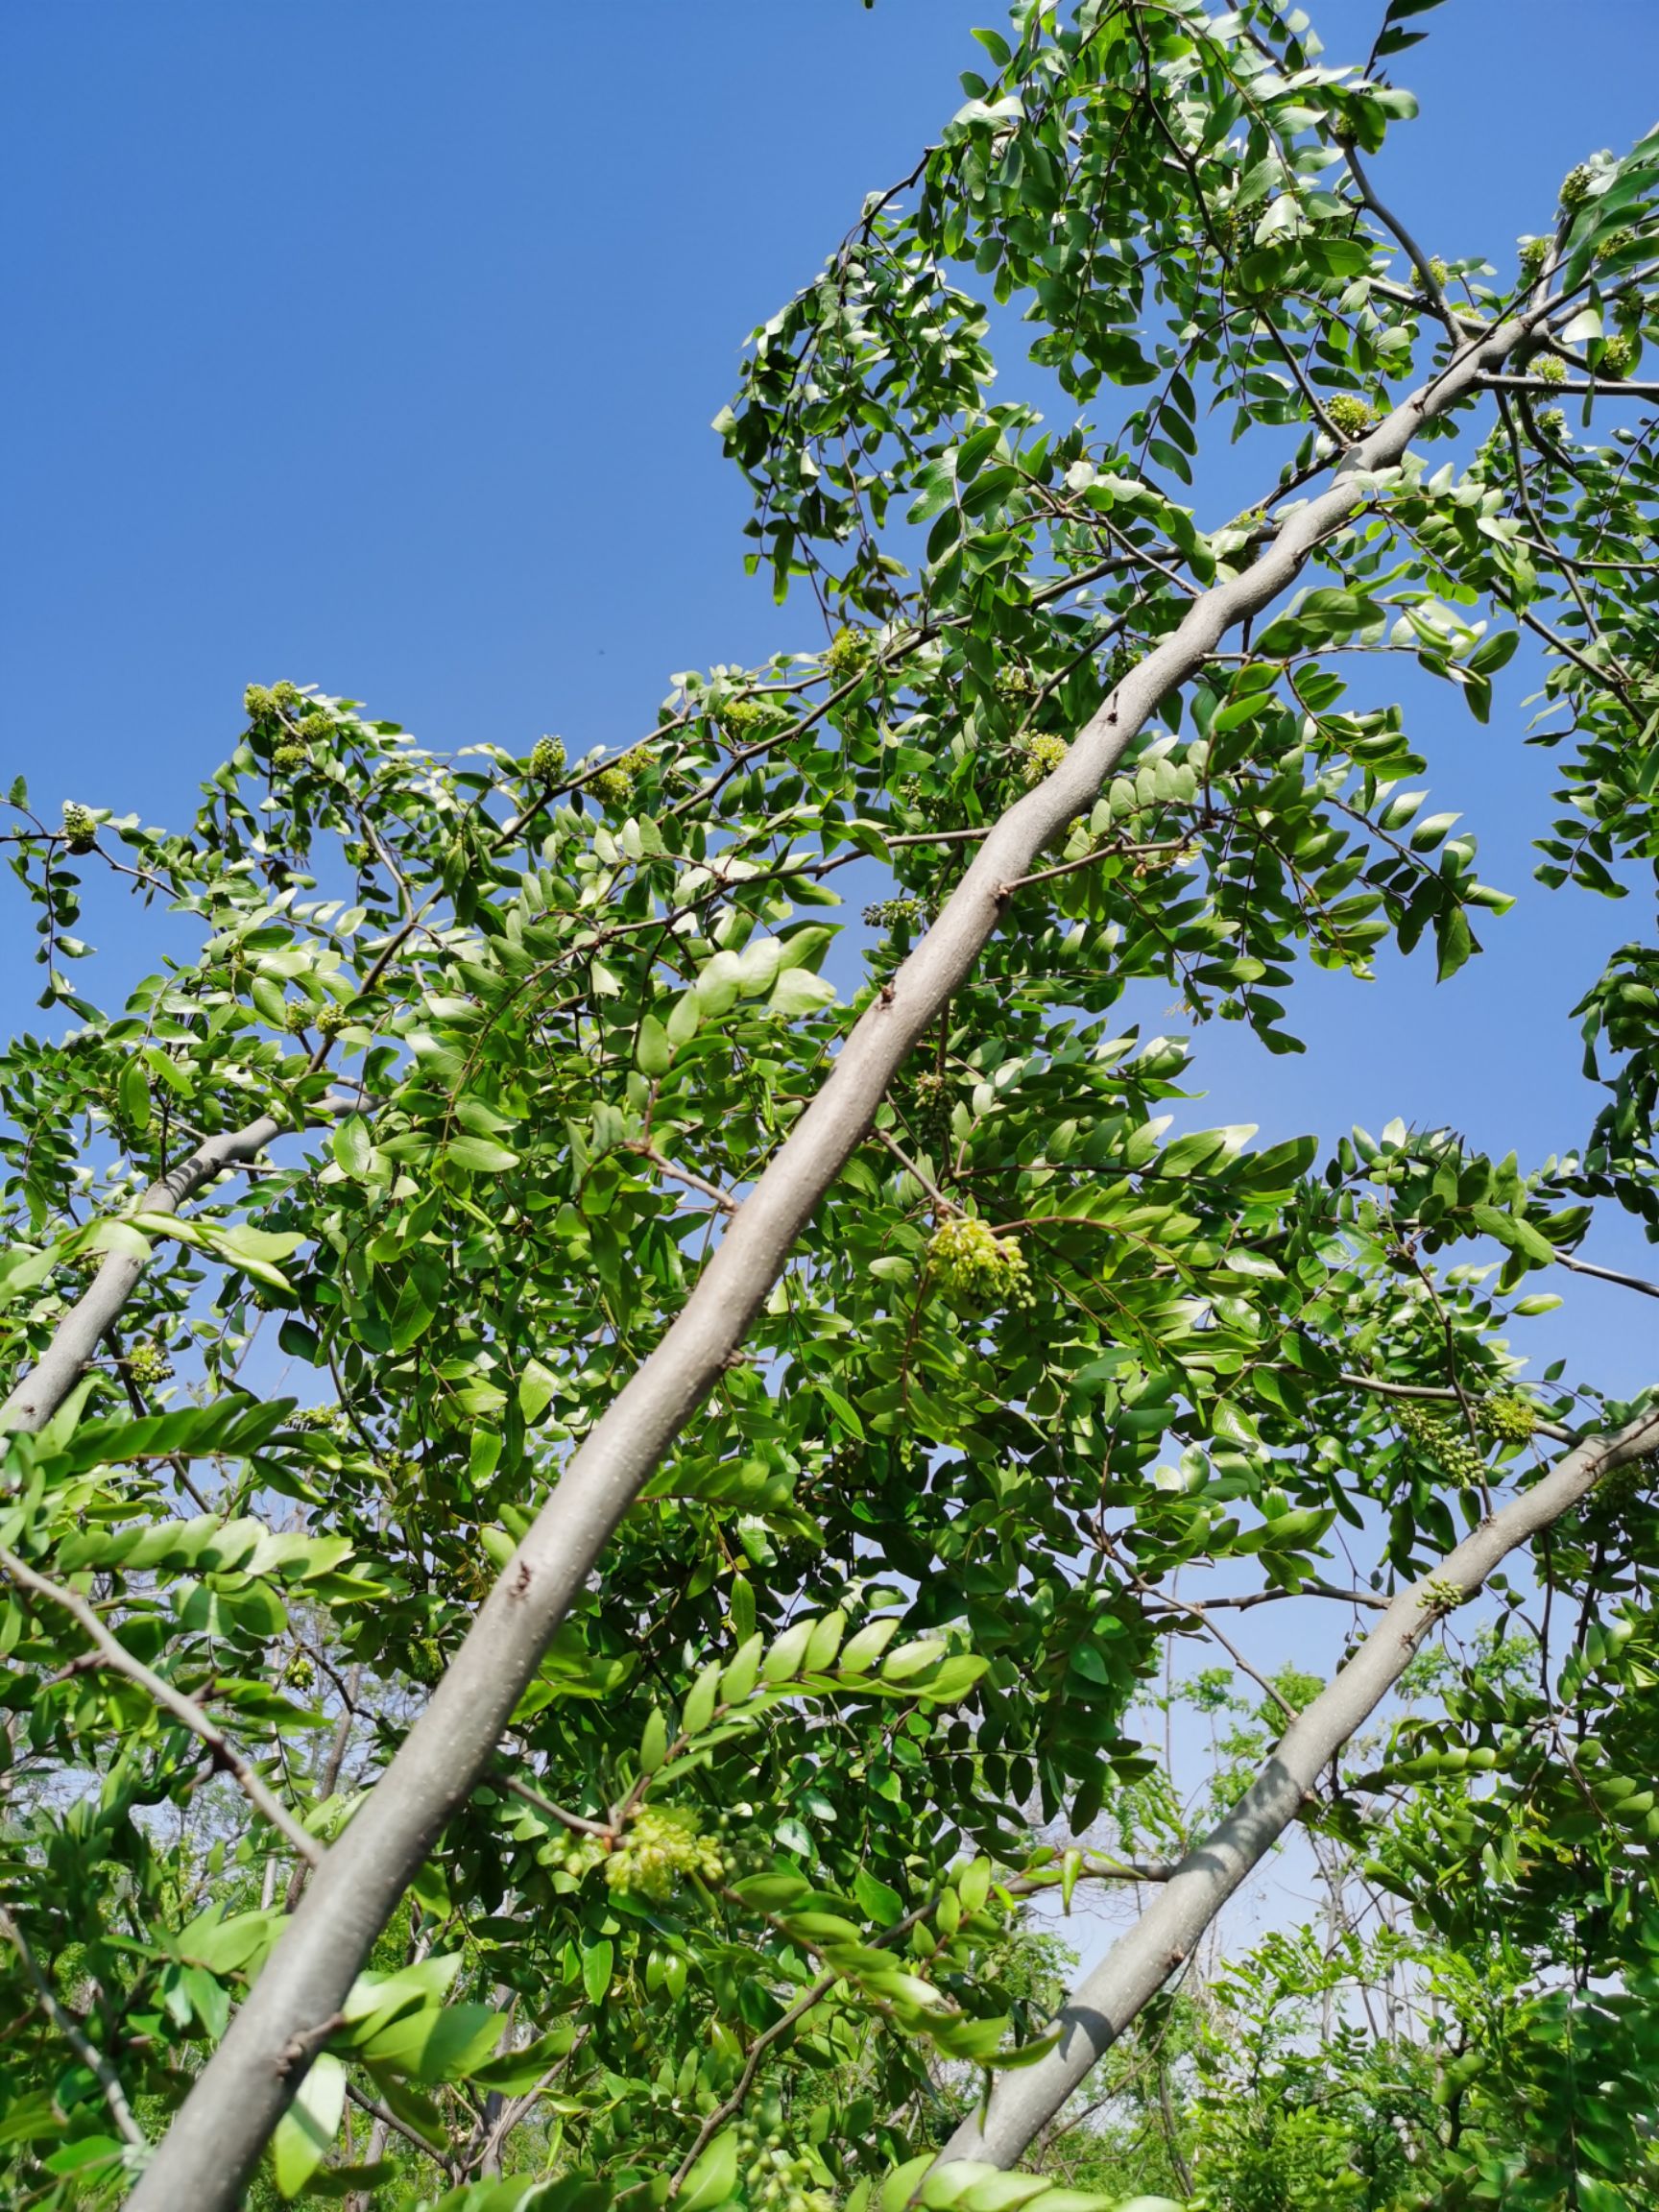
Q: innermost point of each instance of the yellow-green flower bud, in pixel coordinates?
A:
(1041, 755)
(975, 1268)
(147, 1364)
(1350, 415)
(848, 654)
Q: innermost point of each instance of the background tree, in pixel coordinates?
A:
(775, 1406)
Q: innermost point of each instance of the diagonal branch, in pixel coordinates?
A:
(114, 1656)
(38, 1396)
(93, 2060)
(1110, 1997)
(240, 2094)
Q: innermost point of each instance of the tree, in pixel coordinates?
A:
(763, 1414)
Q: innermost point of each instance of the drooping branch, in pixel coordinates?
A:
(1113, 1995)
(244, 2089)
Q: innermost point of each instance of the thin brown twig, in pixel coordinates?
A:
(93, 2060)
(114, 1656)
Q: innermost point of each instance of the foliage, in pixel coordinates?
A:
(738, 1914)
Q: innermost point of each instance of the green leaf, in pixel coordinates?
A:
(135, 1094)
(480, 1155)
(654, 1053)
(352, 1147)
(536, 1390)
(798, 992)
(306, 2134)
(654, 1743)
(597, 1959)
(713, 2179)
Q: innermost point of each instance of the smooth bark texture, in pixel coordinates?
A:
(38, 1396)
(1139, 1963)
(218, 2133)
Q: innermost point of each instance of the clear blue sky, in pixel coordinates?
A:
(375, 345)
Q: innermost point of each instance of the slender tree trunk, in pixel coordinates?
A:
(237, 2099)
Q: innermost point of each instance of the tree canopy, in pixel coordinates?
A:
(617, 1489)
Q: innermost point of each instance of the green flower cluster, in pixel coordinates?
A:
(614, 786)
(848, 654)
(80, 825)
(1041, 755)
(663, 1846)
(1550, 369)
(775, 2178)
(1444, 1442)
(329, 1420)
(290, 757)
(260, 704)
(743, 720)
(1535, 253)
(976, 1268)
(331, 1019)
(1618, 356)
(546, 758)
(1576, 185)
(1510, 1418)
(896, 914)
(147, 1364)
(1013, 685)
(1350, 415)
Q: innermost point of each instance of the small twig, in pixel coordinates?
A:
(572, 1820)
(93, 2060)
(1312, 1587)
(1091, 1870)
(1600, 387)
(762, 2043)
(1414, 253)
(1608, 1275)
(1087, 859)
(1436, 1394)
(709, 1191)
(943, 1204)
(384, 2115)
(757, 2050)
(114, 1656)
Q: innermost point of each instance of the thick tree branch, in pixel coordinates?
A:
(241, 2093)
(1108, 1998)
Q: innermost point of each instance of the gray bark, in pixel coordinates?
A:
(1139, 1962)
(75, 1340)
(239, 2097)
